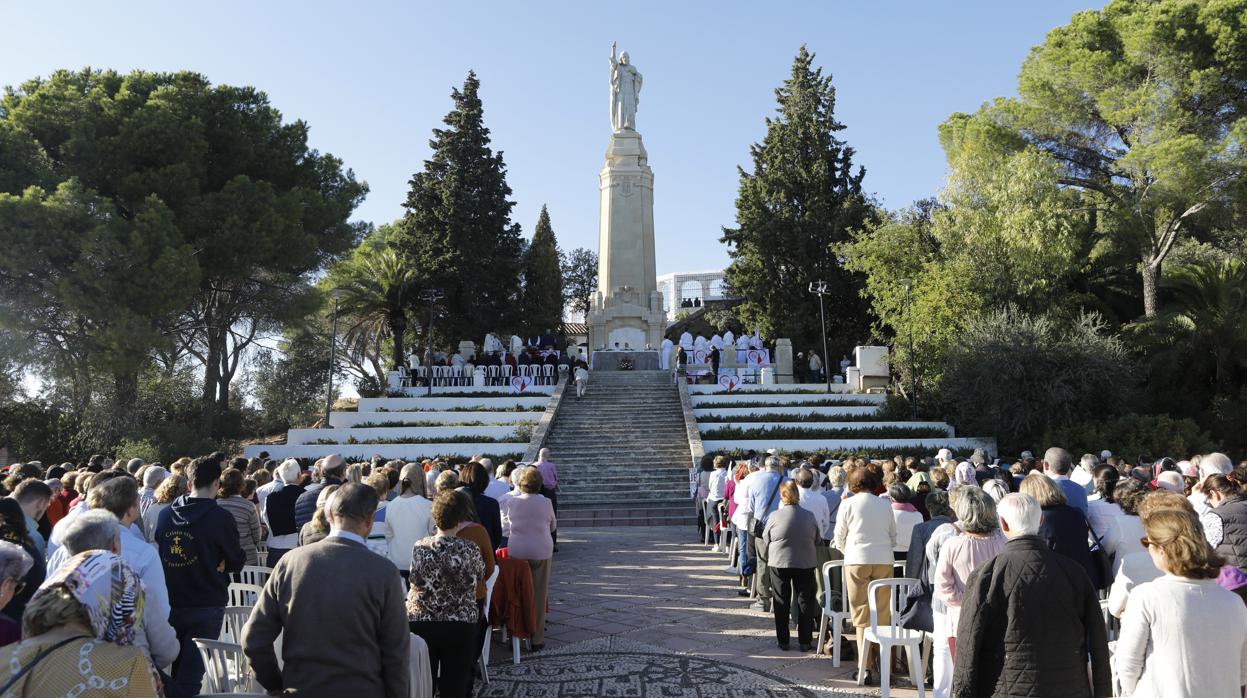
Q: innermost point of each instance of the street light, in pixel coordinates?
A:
(430, 296)
(337, 294)
(913, 377)
(820, 288)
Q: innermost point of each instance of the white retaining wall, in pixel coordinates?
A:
(370, 404)
(363, 452)
(343, 420)
(705, 401)
(705, 427)
(807, 445)
(297, 437)
(782, 409)
(703, 388)
(534, 390)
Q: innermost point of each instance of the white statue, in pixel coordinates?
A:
(686, 340)
(625, 92)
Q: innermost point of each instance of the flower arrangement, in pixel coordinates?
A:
(626, 364)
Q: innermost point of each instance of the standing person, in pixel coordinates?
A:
(1158, 655)
(979, 541)
(1057, 465)
(550, 485)
(475, 478)
(441, 604)
(369, 652)
(916, 611)
(790, 537)
(866, 534)
(1064, 528)
(332, 472)
(13, 530)
(34, 496)
(714, 364)
(763, 501)
(582, 380)
(816, 367)
(409, 517)
(530, 524)
(1038, 605)
(246, 518)
(816, 504)
(15, 564)
(79, 634)
(152, 478)
(278, 510)
(199, 548)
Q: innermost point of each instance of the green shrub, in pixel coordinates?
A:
(1134, 434)
(828, 402)
(804, 432)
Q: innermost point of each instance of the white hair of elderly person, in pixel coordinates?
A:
(94, 529)
(15, 564)
(1020, 515)
(154, 476)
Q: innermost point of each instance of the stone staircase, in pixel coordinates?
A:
(622, 452)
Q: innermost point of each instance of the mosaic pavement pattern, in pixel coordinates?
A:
(646, 611)
(616, 668)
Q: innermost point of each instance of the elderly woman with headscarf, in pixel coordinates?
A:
(15, 564)
(919, 483)
(79, 634)
(963, 475)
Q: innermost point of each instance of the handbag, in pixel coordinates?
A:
(1101, 562)
(760, 525)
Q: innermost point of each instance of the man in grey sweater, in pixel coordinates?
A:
(342, 609)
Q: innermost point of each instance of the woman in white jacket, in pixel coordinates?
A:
(408, 518)
(866, 534)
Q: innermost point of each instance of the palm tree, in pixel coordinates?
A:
(377, 286)
(1204, 326)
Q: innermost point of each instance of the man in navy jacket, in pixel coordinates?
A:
(199, 549)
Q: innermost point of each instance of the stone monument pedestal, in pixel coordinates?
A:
(627, 308)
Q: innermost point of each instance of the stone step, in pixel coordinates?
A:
(627, 517)
(671, 501)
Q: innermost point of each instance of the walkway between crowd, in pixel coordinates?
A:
(636, 610)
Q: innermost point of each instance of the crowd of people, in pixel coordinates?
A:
(110, 570)
(1043, 577)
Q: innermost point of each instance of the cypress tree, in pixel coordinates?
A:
(457, 231)
(802, 200)
(543, 280)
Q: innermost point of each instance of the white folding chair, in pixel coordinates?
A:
(892, 635)
(548, 371)
(244, 594)
(489, 595)
(465, 374)
(491, 375)
(225, 666)
(261, 554)
(706, 519)
(231, 627)
(254, 574)
(507, 372)
(830, 615)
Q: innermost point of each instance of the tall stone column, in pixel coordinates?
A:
(628, 307)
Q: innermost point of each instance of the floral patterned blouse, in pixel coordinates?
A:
(444, 572)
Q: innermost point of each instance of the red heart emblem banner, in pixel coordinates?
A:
(729, 383)
(520, 383)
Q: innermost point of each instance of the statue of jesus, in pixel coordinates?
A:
(625, 91)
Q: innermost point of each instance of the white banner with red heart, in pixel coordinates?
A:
(753, 357)
(729, 383)
(520, 384)
(701, 356)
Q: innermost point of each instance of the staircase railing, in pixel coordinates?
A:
(696, 450)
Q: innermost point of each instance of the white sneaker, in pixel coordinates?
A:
(717, 549)
(731, 570)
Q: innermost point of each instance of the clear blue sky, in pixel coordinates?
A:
(373, 78)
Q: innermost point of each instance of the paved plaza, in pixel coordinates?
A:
(645, 611)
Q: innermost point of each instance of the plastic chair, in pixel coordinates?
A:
(893, 635)
(491, 375)
(489, 595)
(465, 375)
(244, 594)
(548, 371)
(836, 618)
(225, 666)
(507, 372)
(231, 627)
(706, 518)
(254, 574)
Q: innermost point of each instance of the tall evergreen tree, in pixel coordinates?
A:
(803, 199)
(580, 280)
(458, 231)
(543, 279)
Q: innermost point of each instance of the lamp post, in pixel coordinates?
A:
(333, 354)
(820, 288)
(913, 377)
(430, 296)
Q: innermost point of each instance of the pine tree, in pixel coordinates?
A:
(802, 200)
(543, 280)
(458, 232)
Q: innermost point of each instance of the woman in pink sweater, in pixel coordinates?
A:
(528, 521)
(979, 541)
